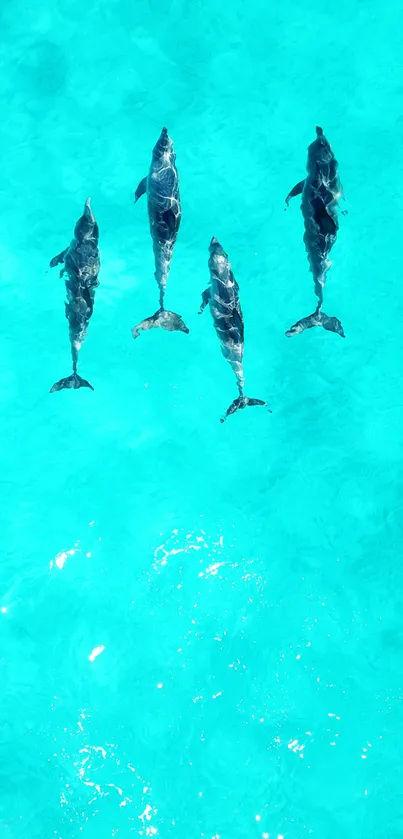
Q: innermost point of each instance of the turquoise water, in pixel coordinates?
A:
(200, 631)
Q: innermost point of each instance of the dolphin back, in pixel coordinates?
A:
(81, 264)
(320, 196)
(225, 305)
(225, 308)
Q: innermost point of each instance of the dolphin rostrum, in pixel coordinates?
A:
(81, 264)
(320, 191)
(223, 297)
(164, 211)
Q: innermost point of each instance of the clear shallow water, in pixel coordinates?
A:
(200, 624)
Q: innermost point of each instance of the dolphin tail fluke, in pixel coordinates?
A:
(240, 403)
(331, 324)
(163, 318)
(74, 381)
(173, 322)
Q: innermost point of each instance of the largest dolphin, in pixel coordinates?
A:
(164, 211)
(81, 263)
(321, 191)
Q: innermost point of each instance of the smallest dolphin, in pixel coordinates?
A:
(81, 264)
(223, 297)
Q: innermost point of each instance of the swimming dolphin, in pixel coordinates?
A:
(164, 211)
(320, 191)
(223, 297)
(81, 264)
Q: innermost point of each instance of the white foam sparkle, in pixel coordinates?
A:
(95, 653)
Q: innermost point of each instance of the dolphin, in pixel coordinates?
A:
(320, 191)
(81, 264)
(223, 296)
(164, 211)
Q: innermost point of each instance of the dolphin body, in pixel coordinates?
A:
(223, 297)
(164, 211)
(320, 191)
(81, 263)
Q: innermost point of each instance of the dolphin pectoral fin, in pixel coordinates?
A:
(74, 381)
(206, 297)
(332, 324)
(297, 190)
(141, 189)
(57, 260)
(240, 403)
